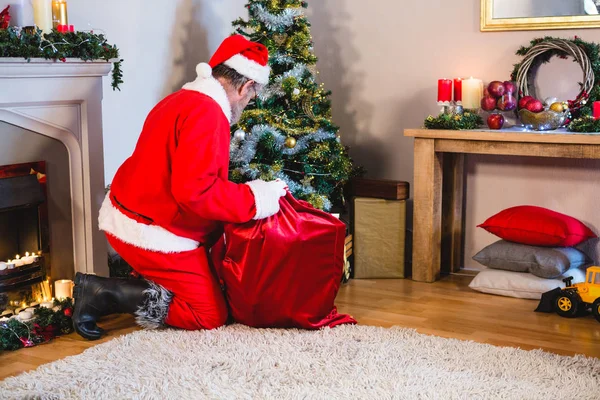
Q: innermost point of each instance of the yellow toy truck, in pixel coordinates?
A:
(574, 299)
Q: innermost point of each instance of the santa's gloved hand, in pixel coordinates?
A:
(266, 196)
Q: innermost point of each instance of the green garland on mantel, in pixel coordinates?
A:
(32, 43)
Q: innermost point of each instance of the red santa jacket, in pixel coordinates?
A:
(173, 193)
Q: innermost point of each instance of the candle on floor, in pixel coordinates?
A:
(18, 261)
(472, 92)
(42, 14)
(59, 13)
(596, 110)
(458, 90)
(444, 90)
(63, 289)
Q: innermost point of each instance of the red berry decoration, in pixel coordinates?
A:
(507, 103)
(496, 89)
(488, 103)
(68, 312)
(495, 121)
(524, 100)
(534, 106)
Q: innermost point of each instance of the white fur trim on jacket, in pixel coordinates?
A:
(147, 237)
(213, 89)
(250, 69)
(266, 197)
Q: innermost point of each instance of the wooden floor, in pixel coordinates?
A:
(447, 308)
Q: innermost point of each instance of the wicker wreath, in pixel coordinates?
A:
(546, 49)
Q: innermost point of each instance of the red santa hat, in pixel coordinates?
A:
(248, 58)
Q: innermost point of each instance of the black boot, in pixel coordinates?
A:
(96, 297)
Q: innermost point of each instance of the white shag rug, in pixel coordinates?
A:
(348, 362)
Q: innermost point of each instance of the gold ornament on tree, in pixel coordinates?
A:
(280, 38)
(307, 107)
(290, 142)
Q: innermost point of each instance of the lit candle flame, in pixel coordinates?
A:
(27, 254)
(17, 257)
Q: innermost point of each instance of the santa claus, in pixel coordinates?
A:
(168, 201)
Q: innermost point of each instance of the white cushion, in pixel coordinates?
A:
(520, 284)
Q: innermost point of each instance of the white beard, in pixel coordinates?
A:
(236, 113)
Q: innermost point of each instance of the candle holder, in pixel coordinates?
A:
(451, 107)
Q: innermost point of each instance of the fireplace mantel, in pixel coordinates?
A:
(63, 100)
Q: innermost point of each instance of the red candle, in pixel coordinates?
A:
(444, 90)
(458, 89)
(597, 110)
(71, 28)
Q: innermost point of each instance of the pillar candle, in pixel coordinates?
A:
(444, 90)
(42, 14)
(596, 110)
(472, 92)
(63, 289)
(21, 13)
(59, 13)
(458, 89)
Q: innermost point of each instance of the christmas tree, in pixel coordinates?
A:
(287, 133)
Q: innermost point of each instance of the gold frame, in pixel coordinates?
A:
(489, 24)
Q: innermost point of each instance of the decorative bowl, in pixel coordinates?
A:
(543, 121)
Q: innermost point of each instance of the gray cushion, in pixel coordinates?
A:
(545, 262)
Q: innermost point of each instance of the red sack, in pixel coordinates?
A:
(284, 271)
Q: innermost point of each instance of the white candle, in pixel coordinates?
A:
(25, 316)
(63, 289)
(3, 265)
(10, 264)
(21, 13)
(472, 92)
(47, 304)
(42, 14)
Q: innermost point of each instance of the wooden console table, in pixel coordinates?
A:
(439, 184)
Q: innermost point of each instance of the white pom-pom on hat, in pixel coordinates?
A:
(204, 70)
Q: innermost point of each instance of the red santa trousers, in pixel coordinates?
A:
(197, 302)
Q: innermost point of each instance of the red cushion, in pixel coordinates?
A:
(537, 226)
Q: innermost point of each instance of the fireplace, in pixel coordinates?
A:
(52, 111)
(24, 230)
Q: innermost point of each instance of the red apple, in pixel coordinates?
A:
(488, 103)
(495, 121)
(535, 106)
(524, 100)
(510, 88)
(485, 92)
(507, 103)
(496, 89)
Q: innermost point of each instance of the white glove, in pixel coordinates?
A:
(266, 196)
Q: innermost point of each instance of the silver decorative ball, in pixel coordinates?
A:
(239, 135)
(296, 92)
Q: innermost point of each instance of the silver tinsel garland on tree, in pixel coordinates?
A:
(275, 22)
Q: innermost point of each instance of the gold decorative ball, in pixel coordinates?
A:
(290, 143)
(558, 107)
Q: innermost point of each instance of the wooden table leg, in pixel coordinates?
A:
(427, 221)
(452, 212)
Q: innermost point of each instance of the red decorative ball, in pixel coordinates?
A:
(68, 312)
